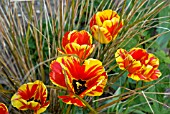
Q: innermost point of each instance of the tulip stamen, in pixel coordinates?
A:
(79, 86)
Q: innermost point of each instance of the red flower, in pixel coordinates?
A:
(31, 96)
(105, 26)
(140, 64)
(88, 78)
(78, 43)
(3, 109)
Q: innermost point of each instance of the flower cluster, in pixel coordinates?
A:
(80, 75)
(140, 64)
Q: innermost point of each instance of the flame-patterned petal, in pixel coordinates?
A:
(82, 51)
(56, 74)
(70, 100)
(3, 109)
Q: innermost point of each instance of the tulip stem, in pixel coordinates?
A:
(68, 109)
(87, 104)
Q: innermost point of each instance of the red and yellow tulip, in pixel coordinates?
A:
(140, 64)
(3, 109)
(87, 78)
(78, 43)
(31, 96)
(105, 26)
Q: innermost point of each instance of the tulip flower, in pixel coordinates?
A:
(77, 43)
(140, 64)
(87, 78)
(31, 96)
(105, 26)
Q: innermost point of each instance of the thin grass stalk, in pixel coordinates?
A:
(87, 13)
(90, 15)
(99, 8)
(15, 53)
(118, 5)
(35, 67)
(27, 39)
(156, 11)
(113, 102)
(136, 8)
(21, 41)
(157, 101)
(53, 30)
(111, 2)
(48, 29)
(142, 94)
(152, 38)
(122, 11)
(122, 97)
(122, 94)
(82, 9)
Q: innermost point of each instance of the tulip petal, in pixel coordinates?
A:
(152, 60)
(18, 102)
(70, 100)
(26, 91)
(112, 27)
(56, 74)
(93, 21)
(135, 76)
(121, 56)
(133, 66)
(101, 34)
(138, 54)
(43, 108)
(82, 51)
(3, 109)
(96, 77)
(81, 37)
(105, 15)
(65, 39)
(99, 89)
(155, 75)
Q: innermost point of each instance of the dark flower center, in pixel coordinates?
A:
(79, 86)
(32, 99)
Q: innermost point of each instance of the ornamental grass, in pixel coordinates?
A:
(84, 56)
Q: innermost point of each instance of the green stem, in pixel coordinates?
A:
(111, 68)
(87, 104)
(68, 109)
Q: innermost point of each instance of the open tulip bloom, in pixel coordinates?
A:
(140, 64)
(105, 26)
(87, 78)
(3, 109)
(31, 96)
(78, 43)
